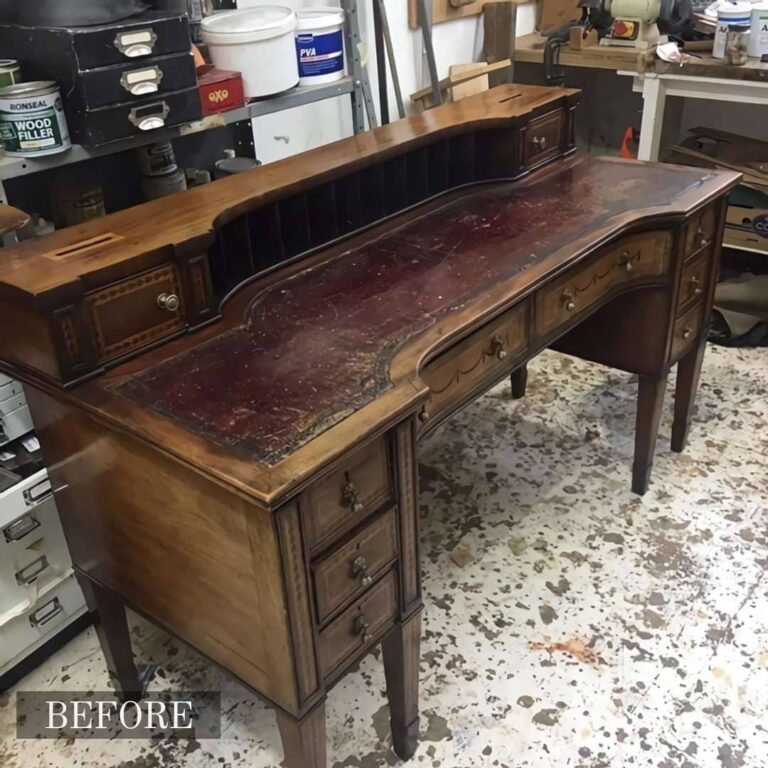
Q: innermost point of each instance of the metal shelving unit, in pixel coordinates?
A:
(356, 86)
(13, 167)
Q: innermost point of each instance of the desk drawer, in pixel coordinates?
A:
(543, 138)
(480, 359)
(694, 281)
(135, 312)
(15, 424)
(352, 568)
(348, 495)
(700, 230)
(687, 330)
(632, 259)
(360, 625)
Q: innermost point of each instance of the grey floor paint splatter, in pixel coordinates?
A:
(568, 623)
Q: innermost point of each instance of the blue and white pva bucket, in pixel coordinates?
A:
(320, 45)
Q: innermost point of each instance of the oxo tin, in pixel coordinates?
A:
(32, 121)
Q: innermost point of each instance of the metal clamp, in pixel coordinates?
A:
(135, 42)
(141, 82)
(149, 116)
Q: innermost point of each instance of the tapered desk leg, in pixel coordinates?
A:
(114, 636)
(519, 380)
(688, 372)
(401, 669)
(650, 399)
(304, 740)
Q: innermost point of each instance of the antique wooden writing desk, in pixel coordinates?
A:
(233, 449)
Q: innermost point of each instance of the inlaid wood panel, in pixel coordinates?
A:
(360, 625)
(694, 282)
(347, 495)
(352, 568)
(700, 230)
(130, 314)
(630, 260)
(687, 329)
(477, 361)
(543, 138)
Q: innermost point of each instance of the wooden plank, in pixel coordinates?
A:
(500, 26)
(447, 82)
(530, 49)
(442, 10)
(460, 87)
(555, 13)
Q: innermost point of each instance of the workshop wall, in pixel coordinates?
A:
(455, 42)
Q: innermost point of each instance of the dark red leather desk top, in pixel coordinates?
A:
(317, 346)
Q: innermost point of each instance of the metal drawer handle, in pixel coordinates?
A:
(696, 283)
(18, 529)
(361, 627)
(150, 116)
(38, 492)
(567, 300)
(360, 571)
(351, 498)
(169, 301)
(30, 572)
(625, 260)
(137, 42)
(141, 82)
(45, 613)
(497, 347)
(540, 142)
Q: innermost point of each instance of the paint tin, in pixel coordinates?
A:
(32, 121)
(10, 72)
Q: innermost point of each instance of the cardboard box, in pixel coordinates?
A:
(746, 228)
(220, 90)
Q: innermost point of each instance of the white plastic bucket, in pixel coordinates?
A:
(320, 45)
(758, 38)
(259, 43)
(739, 14)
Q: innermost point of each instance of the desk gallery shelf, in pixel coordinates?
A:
(12, 167)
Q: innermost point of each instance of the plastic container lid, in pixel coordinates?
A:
(248, 25)
(734, 11)
(320, 17)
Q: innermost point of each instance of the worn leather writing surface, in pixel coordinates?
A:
(317, 346)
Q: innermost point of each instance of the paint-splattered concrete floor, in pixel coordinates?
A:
(568, 622)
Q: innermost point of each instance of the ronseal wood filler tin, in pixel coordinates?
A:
(32, 121)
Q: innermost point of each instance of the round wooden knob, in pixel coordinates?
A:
(423, 415)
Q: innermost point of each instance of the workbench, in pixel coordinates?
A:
(701, 77)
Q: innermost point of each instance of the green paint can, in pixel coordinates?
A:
(10, 72)
(32, 121)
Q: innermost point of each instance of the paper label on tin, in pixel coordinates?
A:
(34, 124)
(141, 75)
(319, 54)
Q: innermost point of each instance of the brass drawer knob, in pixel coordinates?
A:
(540, 142)
(696, 285)
(625, 260)
(567, 300)
(423, 415)
(168, 301)
(687, 333)
(360, 571)
(361, 627)
(351, 498)
(497, 347)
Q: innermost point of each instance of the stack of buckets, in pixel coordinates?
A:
(747, 16)
(275, 48)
